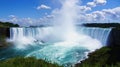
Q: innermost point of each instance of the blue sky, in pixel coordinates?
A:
(23, 8)
(28, 8)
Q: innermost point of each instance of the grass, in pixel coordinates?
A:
(26, 62)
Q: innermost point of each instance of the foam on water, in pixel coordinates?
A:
(63, 43)
(69, 51)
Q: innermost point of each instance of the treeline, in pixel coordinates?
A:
(102, 25)
(7, 24)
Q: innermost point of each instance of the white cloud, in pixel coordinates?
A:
(96, 16)
(96, 2)
(43, 7)
(84, 8)
(29, 21)
(112, 13)
(100, 2)
(102, 16)
(12, 16)
(50, 16)
(91, 4)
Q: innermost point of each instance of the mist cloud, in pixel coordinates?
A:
(81, 14)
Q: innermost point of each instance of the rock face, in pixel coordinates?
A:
(114, 37)
(5, 32)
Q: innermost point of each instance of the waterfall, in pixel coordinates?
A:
(100, 34)
(35, 32)
(38, 33)
(25, 36)
(61, 52)
(63, 43)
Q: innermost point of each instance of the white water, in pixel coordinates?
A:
(63, 43)
(62, 52)
(100, 34)
(45, 34)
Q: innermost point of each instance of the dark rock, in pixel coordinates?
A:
(5, 32)
(114, 37)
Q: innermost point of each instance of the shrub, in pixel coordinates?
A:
(26, 62)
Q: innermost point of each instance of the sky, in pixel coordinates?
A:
(29, 12)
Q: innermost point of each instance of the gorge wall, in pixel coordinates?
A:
(4, 33)
(114, 37)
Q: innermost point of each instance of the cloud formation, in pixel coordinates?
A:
(83, 14)
(96, 2)
(102, 16)
(43, 7)
(29, 21)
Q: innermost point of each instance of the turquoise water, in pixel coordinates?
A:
(40, 43)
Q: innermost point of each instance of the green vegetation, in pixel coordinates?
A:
(104, 57)
(26, 62)
(7, 25)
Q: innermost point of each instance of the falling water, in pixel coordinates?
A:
(67, 52)
(44, 34)
(100, 34)
(64, 43)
